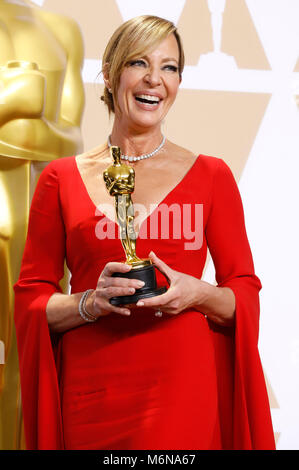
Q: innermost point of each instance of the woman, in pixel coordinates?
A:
(114, 377)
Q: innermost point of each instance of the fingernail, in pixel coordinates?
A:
(140, 303)
(140, 283)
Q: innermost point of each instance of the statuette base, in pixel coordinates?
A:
(148, 276)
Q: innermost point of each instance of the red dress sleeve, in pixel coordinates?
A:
(251, 426)
(41, 270)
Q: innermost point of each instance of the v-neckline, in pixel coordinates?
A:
(163, 200)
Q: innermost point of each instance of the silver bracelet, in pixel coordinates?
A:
(82, 310)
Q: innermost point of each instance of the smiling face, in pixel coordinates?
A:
(148, 86)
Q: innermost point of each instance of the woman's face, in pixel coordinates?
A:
(148, 86)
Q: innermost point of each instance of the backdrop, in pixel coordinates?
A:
(238, 100)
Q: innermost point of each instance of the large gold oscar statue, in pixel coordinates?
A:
(41, 105)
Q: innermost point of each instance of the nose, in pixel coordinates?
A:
(153, 76)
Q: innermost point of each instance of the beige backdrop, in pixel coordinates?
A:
(211, 113)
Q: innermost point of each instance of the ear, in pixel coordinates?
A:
(105, 71)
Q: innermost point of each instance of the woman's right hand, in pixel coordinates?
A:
(98, 303)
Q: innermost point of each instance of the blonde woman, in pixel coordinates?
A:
(114, 377)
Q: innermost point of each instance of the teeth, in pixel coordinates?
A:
(149, 98)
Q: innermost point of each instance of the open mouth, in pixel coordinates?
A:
(148, 99)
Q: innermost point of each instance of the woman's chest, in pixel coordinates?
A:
(175, 213)
(152, 186)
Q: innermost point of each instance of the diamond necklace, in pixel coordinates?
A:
(141, 157)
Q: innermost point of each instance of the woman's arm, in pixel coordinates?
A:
(219, 304)
(63, 310)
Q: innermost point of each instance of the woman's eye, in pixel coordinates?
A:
(138, 62)
(143, 63)
(172, 68)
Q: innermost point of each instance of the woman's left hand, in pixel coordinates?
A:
(184, 291)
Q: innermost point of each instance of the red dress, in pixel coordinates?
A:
(140, 382)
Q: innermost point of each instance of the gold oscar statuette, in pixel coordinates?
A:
(120, 181)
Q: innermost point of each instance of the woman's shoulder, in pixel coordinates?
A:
(179, 151)
(59, 165)
(204, 163)
(64, 164)
(94, 154)
(208, 169)
(93, 158)
(209, 162)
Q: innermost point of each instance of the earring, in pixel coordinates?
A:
(110, 90)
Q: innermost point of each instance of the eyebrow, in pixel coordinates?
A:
(167, 59)
(170, 59)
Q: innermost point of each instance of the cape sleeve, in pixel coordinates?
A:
(251, 426)
(41, 270)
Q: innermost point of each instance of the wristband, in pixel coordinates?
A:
(88, 317)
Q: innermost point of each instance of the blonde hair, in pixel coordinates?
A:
(133, 39)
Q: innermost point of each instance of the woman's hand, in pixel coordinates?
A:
(185, 291)
(98, 303)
